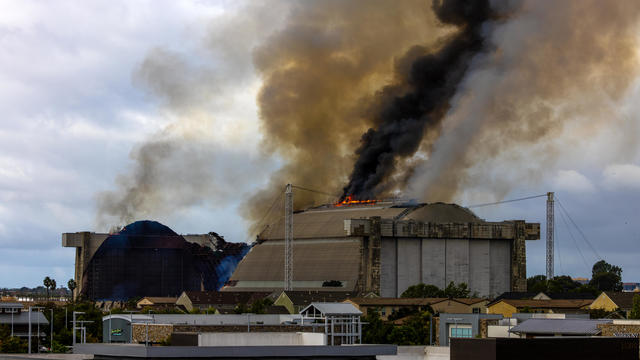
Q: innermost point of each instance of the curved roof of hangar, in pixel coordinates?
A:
(328, 221)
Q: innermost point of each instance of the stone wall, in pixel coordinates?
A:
(620, 330)
(157, 332)
(243, 328)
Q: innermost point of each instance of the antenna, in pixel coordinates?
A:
(288, 238)
(550, 220)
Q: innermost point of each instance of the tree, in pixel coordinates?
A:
(457, 291)
(71, 284)
(635, 308)
(537, 284)
(53, 285)
(422, 291)
(606, 277)
(47, 283)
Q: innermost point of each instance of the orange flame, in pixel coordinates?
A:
(348, 200)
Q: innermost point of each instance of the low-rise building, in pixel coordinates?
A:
(631, 287)
(16, 318)
(388, 306)
(532, 328)
(223, 302)
(621, 302)
(461, 306)
(463, 326)
(296, 300)
(508, 307)
(159, 303)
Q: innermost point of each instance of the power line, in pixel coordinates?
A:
(566, 224)
(584, 237)
(506, 201)
(314, 191)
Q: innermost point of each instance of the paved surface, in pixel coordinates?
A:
(46, 356)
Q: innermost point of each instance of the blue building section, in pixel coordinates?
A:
(147, 258)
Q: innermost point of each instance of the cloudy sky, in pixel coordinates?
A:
(85, 85)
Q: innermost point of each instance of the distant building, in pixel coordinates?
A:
(463, 326)
(387, 306)
(16, 319)
(508, 307)
(614, 301)
(581, 280)
(296, 300)
(631, 287)
(223, 302)
(158, 303)
(532, 328)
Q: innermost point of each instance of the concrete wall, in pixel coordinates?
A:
(418, 353)
(485, 265)
(260, 339)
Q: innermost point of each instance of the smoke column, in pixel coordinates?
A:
(432, 80)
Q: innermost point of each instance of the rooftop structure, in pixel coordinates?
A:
(559, 327)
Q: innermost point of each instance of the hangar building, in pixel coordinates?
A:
(384, 248)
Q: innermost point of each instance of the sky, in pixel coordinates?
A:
(74, 109)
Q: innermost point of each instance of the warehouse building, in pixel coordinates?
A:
(385, 247)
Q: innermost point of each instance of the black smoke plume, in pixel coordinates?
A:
(432, 81)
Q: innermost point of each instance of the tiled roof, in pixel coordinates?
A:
(334, 308)
(395, 301)
(624, 300)
(559, 326)
(225, 297)
(303, 298)
(160, 300)
(558, 304)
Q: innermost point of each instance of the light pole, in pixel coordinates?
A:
(74, 326)
(32, 307)
(51, 333)
(12, 310)
(109, 325)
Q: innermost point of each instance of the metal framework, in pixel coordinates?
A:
(288, 238)
(550, 225)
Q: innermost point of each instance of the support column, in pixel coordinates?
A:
(519, 257)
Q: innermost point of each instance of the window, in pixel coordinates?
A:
(476, 310)
(460, 331)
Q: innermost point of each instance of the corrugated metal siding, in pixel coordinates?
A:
(318, 260)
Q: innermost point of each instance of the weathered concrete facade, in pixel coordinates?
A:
(489, 257)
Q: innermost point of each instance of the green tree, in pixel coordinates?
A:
(537, 284)
(606, 277)
(13, 345)
(53, 285)
(635, 308)
(47, 283)
(422, 291)
(457, 291)
(375, 331)
(71, 284)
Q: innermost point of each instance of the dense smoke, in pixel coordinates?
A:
(432, 80)
(559, 77)
(321, 76)
(430, 100)
(193, 160)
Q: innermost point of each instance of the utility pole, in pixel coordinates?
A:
(288, 238)
(550, 225)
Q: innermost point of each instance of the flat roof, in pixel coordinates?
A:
(102, 351)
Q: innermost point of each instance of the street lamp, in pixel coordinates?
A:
(32, 307)
(74, 326)
(51, 333)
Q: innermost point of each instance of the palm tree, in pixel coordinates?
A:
(53, 285)
(71, 284)
(47, 283)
